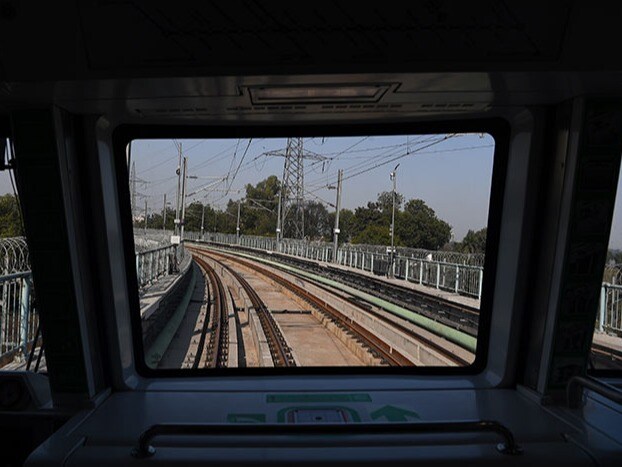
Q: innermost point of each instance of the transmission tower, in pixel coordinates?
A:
(291, 220)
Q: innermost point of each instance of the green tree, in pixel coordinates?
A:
(317, 221)
(10, 220)
(419, 227)
(194, 214)
(346, 223)
(366, 216)
(385, 202)
(374, 234)
(474, 242)
(258, 214)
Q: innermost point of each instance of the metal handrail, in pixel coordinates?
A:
(145, 449)
(15, 275)
(574, 390)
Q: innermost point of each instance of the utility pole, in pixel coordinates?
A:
(164, 213)
(202, 222)
(393, 176)
(177, 208)
(183, 197)
(237, 227)
(338, 207)
(279, 227)
(145, 226)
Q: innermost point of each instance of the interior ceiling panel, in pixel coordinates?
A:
(66, 40)
(214, 35)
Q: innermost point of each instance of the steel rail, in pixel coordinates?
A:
(279, 350)
(426, 341)
(217, 350)
(455, 314)
(375, 344)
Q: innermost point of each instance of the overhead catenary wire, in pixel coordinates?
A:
(174, 157)
(360, 169)
(368, 159)
(250, 141)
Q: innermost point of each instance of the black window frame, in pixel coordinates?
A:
(497, 128)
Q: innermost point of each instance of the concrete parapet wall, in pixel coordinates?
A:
(156, 315)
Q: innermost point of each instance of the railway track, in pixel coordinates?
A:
(395, 324)
(461, 317)
(279, 350)
(217, 349)
(606, 357)
(373, 343)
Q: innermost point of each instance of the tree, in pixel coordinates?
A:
(474, 242)
(193, 215)
(10, 219)
(416, 224)
(374, 234)
(258, 213)
(419, 227)
(317, 221)
(346, 226)
(366, 216)
(385, 202)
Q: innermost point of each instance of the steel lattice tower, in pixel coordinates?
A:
(291, 220)
(292, 190)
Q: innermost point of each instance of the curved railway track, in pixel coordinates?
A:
(279, 350)
(461, 317)
(376, 345)
(218, 344)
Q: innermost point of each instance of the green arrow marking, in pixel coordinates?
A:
(393, 414)
(246, 418)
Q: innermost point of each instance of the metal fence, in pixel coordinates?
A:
(321, 249)
(151, 265)
(424, 267)
(18, 315)
(150, 239)
(13, 255)
(610, 309)
(18, 319)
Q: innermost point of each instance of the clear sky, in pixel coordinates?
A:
(452, 175)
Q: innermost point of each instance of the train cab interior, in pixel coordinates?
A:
(280, 336)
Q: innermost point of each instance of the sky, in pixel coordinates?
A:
(452, 175)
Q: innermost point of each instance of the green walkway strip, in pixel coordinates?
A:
(453, 335)
(157, 350)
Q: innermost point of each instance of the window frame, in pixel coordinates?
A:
(497, 128)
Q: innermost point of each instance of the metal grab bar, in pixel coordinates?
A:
(574, 390)
(144, 449)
